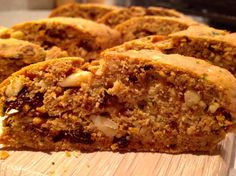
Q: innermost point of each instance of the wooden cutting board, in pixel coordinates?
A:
(27, 163)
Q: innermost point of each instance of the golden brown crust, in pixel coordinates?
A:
(87, 11)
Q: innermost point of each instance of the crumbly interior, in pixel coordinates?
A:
(138, 28)
(116, 105)
(75, 42)
(217, 52)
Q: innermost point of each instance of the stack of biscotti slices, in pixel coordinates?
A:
(132, 22)
(144, 95)
(78, 28)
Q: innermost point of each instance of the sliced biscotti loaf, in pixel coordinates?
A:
(87, 11)
(117, 17)
(138, 27)
(79, 37)
(216, 46)
(135, 100)
(15, 54)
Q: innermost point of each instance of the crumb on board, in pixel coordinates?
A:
(68, 154)
(76, 154)
(4, 155)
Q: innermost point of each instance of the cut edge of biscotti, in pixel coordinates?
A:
(117, 103)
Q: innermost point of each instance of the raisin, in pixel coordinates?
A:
(142, 104)
(37, 101)
(58, 137)
(173, 125)
(122, 142)
(80, 136)
(19, 102)
(172, 146)
(47, 45)
(55, 33)
(227, 116)
(86, 45)
(108, 99)
(133, 78)
(147, 67)
(22, 100)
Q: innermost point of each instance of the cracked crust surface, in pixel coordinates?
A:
(127, 101)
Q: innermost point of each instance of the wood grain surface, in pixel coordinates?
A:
(27, 163)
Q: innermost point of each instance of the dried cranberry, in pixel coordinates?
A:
(80, 136)
(122, 142)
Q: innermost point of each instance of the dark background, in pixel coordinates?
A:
(217, 13)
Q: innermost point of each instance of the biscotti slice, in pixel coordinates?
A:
(87, 11)
(138, 27)
(117, 17)
(15, 54)
(130, 101)
(216, 46)
(79, 37)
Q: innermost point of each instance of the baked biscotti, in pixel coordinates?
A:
(15, 54)
(77, 36)
(139, 27)
(87, 11)
(130, 101)
(216, 46)
(117, 17)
